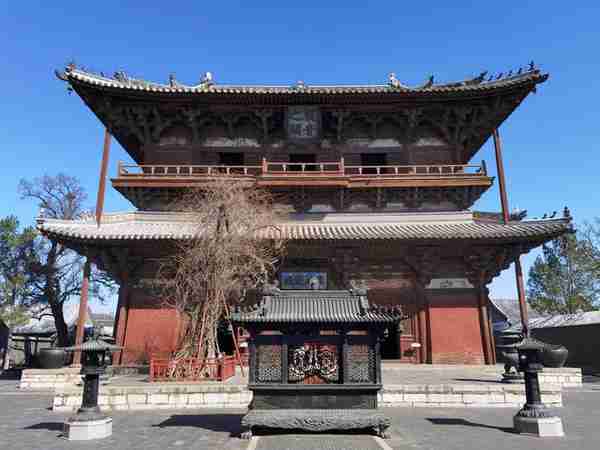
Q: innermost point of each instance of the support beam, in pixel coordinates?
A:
(423, 318)
(102, 179)
(484, 323)
(122, 314)
(83, 308)
(506, 216)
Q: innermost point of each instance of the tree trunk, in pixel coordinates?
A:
(7, 351)
(52, 291)
(62, 332)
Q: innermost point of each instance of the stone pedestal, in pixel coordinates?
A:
(539, 426)
(75, 430)
(512, 378)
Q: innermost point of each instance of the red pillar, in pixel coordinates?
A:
(83, 307)
(485, 325)
(506, 217)
(122, 313)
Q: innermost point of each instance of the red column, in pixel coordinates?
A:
(83, 307)
(424, 326)
(506, 217)
(122, 313)
(485, 325)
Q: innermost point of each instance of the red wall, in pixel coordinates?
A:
(455, 328)
(151, 328)
(454, 324)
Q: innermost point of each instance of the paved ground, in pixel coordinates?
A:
(27, 423)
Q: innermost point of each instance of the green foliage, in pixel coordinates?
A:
(565, 279)
(17, 256)
(13, 316)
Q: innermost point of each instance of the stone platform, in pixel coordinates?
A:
(49, 379)
(403, 386)
(152, 396)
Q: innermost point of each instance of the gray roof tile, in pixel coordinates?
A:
(143, 225)
(317, 306)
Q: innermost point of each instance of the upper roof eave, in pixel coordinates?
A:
(476, 87)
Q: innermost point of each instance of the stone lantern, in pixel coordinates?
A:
(89, 423)
(535, 417)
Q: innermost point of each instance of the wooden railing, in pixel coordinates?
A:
(272, 168)
(416, 170)
(161, 170)
(316, 168)
(191, 369)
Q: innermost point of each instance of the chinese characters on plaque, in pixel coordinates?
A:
(304, 280)
(303, 123)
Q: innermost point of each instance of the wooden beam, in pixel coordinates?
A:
(83, 308)
(506, 217)
(122, 313)
(102, 179)
(484, 323)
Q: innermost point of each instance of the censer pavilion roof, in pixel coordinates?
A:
(447, 226)
(316, 306)
(121, 83)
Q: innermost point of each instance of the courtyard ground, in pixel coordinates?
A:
(26, 422)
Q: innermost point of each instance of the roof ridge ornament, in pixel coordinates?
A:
(207, 80)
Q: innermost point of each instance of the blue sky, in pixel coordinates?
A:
(551, 148)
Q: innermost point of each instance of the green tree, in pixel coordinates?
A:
(17, 253)
(565, 278)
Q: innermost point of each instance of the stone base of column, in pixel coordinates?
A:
(539, 426)
(512, 377)
(87, 430)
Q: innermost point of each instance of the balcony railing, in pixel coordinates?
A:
(278, 169)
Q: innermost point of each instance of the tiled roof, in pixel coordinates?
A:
(120, 81)
(318, 306)
(141, 225)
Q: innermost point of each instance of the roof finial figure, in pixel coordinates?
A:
(121, 76)
(428, 83)
(531, 66)
(393, 80)
(172, 81)
(481, 76)
(567, 213)
(207, 79)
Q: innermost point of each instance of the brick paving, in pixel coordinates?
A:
(26, 423)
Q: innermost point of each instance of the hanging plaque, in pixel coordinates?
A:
(303, 123)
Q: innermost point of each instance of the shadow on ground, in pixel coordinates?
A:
(12, 374)
(230, 423)
(467, 423)
(51, 426)
(477, 380)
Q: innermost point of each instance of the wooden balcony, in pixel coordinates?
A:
(335, 173)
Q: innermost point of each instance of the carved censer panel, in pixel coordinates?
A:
(313, 363)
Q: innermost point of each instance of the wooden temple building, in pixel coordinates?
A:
(379, 182)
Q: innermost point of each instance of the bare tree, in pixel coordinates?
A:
(233, 247)
(56, 273)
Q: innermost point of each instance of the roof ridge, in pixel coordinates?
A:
(206, 85)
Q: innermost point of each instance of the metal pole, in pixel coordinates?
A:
(102, 181)
(83, 306)
(505, 215)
